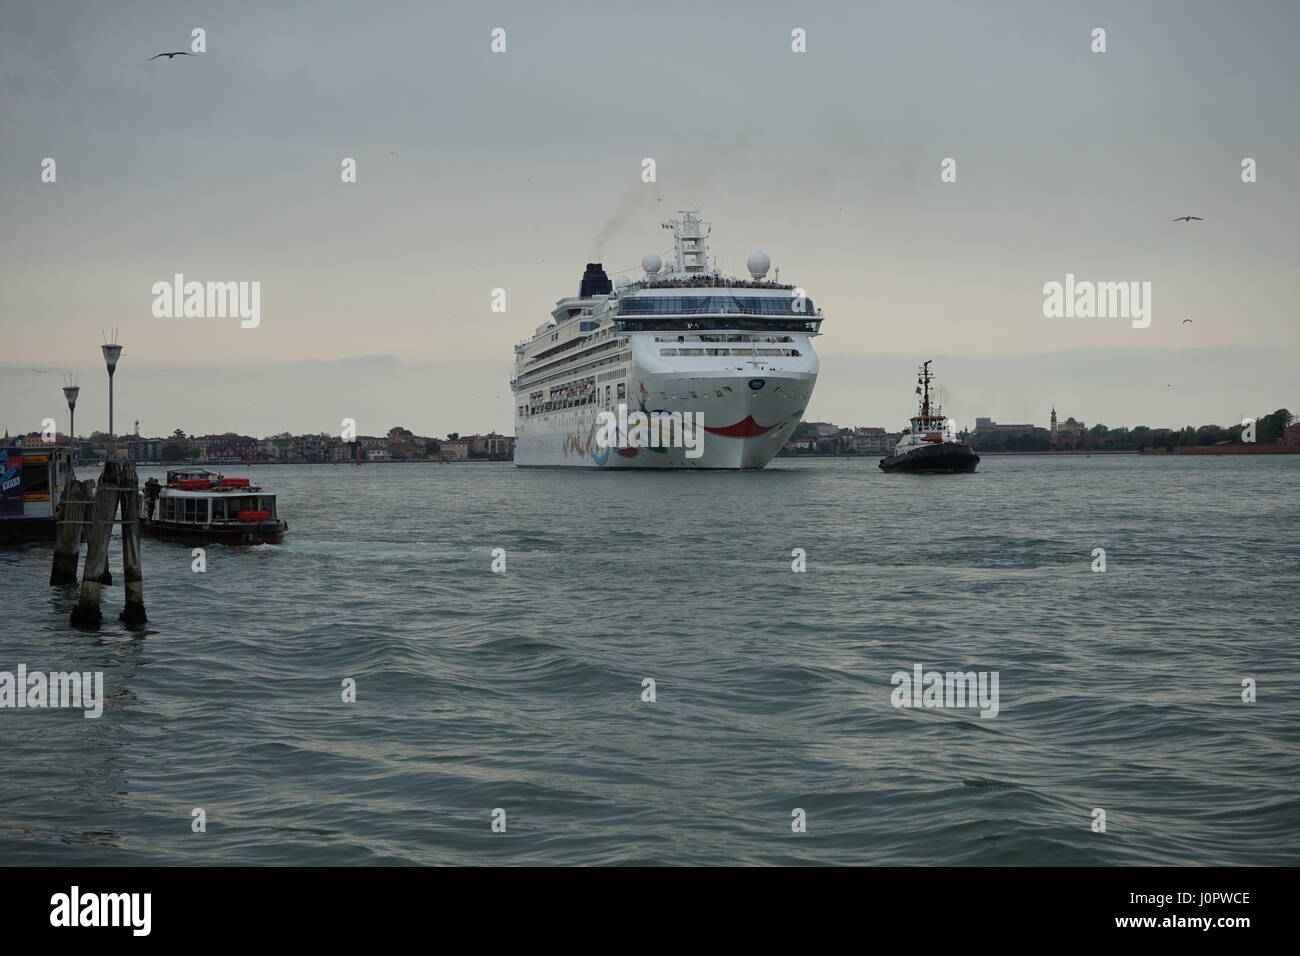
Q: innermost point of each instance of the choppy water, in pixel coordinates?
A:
(522, 691)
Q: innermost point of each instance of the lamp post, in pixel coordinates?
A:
(70, 393)
(111, 353)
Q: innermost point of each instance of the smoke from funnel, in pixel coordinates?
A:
(635, 200)
(697, 170)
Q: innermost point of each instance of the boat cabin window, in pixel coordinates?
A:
(228, 508)
(36, 478)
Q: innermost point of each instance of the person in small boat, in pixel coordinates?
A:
(151, 490)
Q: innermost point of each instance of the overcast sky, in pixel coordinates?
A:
(479, 170)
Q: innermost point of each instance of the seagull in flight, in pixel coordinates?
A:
(170, 55)
(1188, 218)
(1188, 322)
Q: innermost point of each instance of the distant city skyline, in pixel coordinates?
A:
(872, 390)
(478, 171)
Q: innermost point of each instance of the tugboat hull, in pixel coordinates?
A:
(939, 459)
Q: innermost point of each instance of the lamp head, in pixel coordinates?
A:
(111, 353)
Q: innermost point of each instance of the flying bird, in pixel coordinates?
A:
(1188, 218)
(170, 55)
(1187, 322)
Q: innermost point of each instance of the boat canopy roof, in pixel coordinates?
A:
(189, 474)
(249, 492)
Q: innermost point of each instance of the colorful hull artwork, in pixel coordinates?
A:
(752, 432)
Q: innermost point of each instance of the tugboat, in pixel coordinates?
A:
(201, 506)
(930, 446)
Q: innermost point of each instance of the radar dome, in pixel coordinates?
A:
(622, 282)
(758, 264)
(651, 263)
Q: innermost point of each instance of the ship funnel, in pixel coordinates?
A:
(594, 282)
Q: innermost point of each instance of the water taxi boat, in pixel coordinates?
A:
(32, 479)
(201, 506)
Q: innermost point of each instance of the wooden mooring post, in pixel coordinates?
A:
(117, 486)
(74, 507)
(133, 611)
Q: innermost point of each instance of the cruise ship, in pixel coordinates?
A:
(731, 357)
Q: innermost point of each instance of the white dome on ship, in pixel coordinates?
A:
(622, 282)
(758, 264)
(651, 263)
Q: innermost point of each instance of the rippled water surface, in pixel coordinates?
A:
(523, 690)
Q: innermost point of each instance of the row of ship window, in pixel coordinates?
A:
(715, 323)
(565, 373)
(669, 352)
(716, 304)
(723, 338)
(571, 396)
(590, 396)
(793, 352)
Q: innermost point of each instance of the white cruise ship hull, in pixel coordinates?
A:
(744, 428)
(728, 361)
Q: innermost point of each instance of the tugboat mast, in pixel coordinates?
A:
(924, 382)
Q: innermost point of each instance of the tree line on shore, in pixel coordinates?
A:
(1268, 430)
